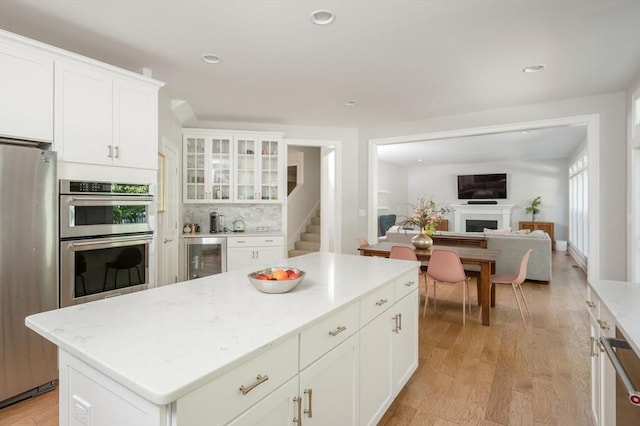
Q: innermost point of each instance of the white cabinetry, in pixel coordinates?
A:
(26, 93)
(603, 388)
(388, 345)
(329, 387)
(248, 251)
(207, 167)
(259, 169)
(104, 119)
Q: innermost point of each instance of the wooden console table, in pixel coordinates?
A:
(460, 241)
(542, 226)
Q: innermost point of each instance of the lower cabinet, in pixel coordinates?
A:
(603, 375)
(243, 252)
(329, 387)
(279, 408)
(405, 340)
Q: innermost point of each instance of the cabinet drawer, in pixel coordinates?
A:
(328, 333)
(223, 399)
(406, 283)
(254, 241)
(376, 303)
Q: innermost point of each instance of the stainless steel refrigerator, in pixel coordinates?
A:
(28, 268)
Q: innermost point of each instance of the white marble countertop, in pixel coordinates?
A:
(248, 233)
(622, 299)
(165, 342)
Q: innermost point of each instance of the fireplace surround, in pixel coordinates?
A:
(500, 213)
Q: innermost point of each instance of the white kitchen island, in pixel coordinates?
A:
(335, 350)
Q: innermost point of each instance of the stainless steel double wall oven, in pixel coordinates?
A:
(105, 236)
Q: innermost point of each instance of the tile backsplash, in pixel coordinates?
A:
(254, 215)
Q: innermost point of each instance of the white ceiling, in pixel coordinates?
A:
(400, 60)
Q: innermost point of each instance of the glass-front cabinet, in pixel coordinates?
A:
(222, 166)
(207, 168)
(259, 169)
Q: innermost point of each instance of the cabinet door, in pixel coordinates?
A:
(135, 124)
(279, 408)
(595, 371)
(270, 170)
(220, 179)
(245, 169)
(241, 257)
(193, 166)
(84, 114)
(26, 94)
(405, 339)
(269, 254)
(376, 389)
(329, 387)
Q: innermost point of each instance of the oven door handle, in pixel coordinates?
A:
(112, 199)
(84, 243)
(609, 343)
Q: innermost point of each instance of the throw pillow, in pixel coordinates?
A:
(523, 231)
(497, 231)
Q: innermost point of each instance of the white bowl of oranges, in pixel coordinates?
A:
(279, 279)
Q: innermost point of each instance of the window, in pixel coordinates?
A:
(578, 205)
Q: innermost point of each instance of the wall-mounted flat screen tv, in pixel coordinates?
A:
(482, 187)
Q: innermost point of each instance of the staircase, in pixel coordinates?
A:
(309, 241)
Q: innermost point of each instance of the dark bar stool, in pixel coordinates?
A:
(127, 259)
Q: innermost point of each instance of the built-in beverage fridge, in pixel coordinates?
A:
(204, 256)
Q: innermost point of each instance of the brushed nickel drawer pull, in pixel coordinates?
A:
(409, 283)
(309, 393)
(260, 379)
(381, 302)
(395, 323)
(298, 420)
(337, 331)
(603, 324)
(590, 304)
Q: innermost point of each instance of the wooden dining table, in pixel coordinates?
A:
(485, 258)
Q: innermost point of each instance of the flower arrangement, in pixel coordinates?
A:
(426, 215)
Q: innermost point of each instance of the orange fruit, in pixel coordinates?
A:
(280, 274)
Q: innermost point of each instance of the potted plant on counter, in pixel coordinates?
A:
(534, 208)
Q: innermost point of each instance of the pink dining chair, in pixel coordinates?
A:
(407, 253)
(445, 267)
(515, 281)
(362, 242)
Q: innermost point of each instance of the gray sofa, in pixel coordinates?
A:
(512, 247)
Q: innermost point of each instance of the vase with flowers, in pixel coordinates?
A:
(426, 216)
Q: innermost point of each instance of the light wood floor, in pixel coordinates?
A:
(505, 374)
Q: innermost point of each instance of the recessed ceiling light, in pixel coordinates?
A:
(350, 103)
(210, 58)
(533, 68)
(322, 17)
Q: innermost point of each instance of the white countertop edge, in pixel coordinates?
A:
(622, 299)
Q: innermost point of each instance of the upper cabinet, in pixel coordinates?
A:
(259, 169)
(104, 119)
(94, 113)
(207, 162)
(26, 93)
(221, 166)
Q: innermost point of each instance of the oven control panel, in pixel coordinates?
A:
(84, 187)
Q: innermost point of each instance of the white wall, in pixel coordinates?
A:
(525, 181)
(611, 186)
(392, 189)
(307, 195)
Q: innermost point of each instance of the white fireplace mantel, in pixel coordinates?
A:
(498, 212)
